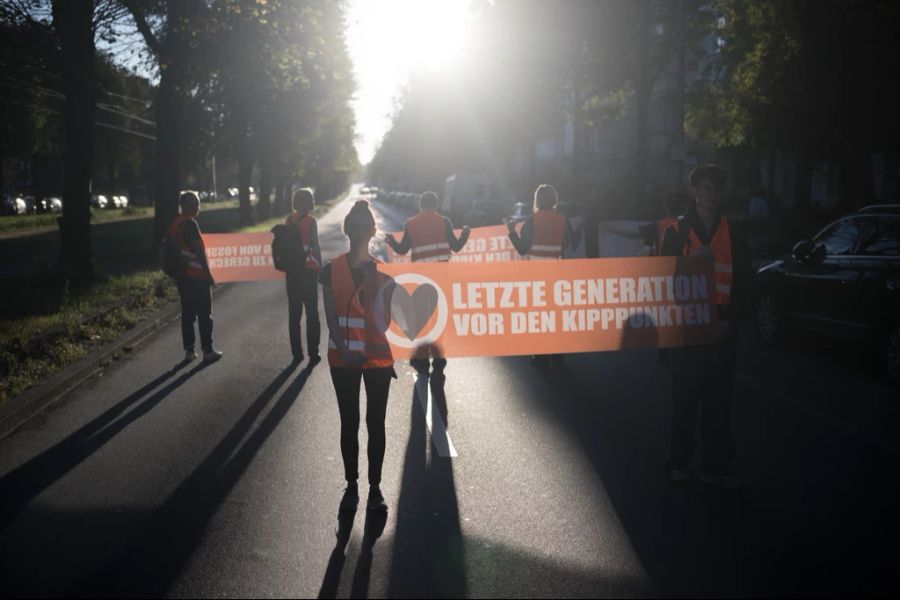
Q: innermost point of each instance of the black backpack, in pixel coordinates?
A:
(288, 252)
(172, 262)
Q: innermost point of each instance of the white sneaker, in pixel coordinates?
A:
(212, 356)
(189, 355)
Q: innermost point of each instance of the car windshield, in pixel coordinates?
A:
(882, 237)
(839, 238)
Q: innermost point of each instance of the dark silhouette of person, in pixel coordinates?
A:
(429, 237)
(195, 280)
(358, 350)
(703, 376)
(301, 284)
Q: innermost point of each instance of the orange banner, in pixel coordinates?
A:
(240, 256)
(548, 307)
(485, 244)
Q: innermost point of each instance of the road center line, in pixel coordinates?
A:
(439, 435)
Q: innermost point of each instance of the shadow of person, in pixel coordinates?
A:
(332, 578)
(157, 554)
(439, 399)
(428, 551)
(375, 522)
(19, 486)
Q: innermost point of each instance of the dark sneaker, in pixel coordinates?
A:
(298, 358)
(314, 359)
(211, 356)
(720, 478)
(679, 475)
(189, 355)
(351, 498)
(376, 500)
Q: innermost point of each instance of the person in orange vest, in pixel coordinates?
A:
(703, 376)
(357, 302)
(301, 284)
(674, 204)
(546, 233)
(429, 236)
(543, 236)
(195, 281)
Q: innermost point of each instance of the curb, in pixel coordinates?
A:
(17, 411)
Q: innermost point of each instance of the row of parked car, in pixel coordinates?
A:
(844, 283)
(27, 205)
(102, 201)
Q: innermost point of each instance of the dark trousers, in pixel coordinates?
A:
(303, 292)
(703, 379)
(346, 385)
(196, 303)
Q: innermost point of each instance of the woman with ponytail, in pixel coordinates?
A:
(357, 310)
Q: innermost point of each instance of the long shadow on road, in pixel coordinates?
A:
(434, 558)
(158, 553)
(700, 541)
(429, 556)
(20, 486)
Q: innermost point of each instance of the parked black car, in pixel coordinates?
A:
(844, 283)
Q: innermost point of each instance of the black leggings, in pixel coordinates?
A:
(346, 385)
(303, 292)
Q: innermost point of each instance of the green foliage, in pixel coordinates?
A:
(744, 91)
(33, 348)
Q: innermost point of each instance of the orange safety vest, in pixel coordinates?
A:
(428, 232)
(304, 224)
(547, 235)
(661, 227)
(193, 266)
(721, 249)
(356, 318)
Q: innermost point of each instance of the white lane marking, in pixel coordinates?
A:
(439, 435)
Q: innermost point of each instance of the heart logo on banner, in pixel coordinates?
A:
(411, 313)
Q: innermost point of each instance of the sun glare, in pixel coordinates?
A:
(391, 39)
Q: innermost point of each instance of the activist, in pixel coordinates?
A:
(543, 236)
(301, 282)
(674, 204)
(703, 376)
(358, 349)
(546, 233)
(194, 280)
(429, 235)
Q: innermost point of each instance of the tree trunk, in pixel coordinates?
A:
(264, 206)
(73, 22)
(169, 111)
(579, 142)
(280, 204)
(2, 149)
(803, 180)
(644, 87)
(245, 172)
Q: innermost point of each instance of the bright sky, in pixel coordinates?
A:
(388, 40)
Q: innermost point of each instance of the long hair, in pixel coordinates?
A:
(545, 197)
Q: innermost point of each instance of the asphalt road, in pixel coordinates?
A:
(154, 480)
